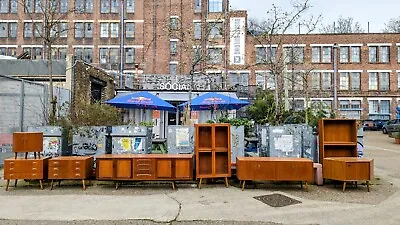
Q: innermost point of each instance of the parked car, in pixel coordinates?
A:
(390, 126)
(376, 124)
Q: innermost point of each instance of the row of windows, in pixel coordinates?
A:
(61, 6)
(377, 109)
(323, 54)
(348, 81)
(82, 30)
(86, 6)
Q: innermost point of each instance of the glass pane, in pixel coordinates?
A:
(261, 54)
(344, 54)
(355, 54)
(384, 57)
(344, 81)
(105, 6)
(355, 80)
(373, 54)
(373, 81)
(315, 81)
(384, 81)
(130, 6)
(327, 54)
(327, 81)
(130, 30)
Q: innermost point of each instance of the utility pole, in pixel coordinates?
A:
(121, 46)
(335, 71)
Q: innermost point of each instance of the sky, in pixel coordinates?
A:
(377, 13)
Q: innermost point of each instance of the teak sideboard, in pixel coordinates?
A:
(29, 169)
(70, 168)
(349, 169)
(131, 167)
(274, 169)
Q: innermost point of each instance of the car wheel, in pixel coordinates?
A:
(384, 130)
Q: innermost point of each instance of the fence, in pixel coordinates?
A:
(24, 104)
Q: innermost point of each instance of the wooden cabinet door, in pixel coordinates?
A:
(304, 171)
(124, 168)
(105, 168)
(164, 168)
(264, 170)
(285, 170)
(357, 171)
(183, 169)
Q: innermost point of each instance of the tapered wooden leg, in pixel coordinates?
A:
(8, 182)
(26, 155)
(173, 185)
(59, 183)
(15, 184)
(34, 154)
(356, 183)
(368, 185)
(199, 185)
(344, 186)
(15, 155)
(51, 185)
(226, 182)
(301, 184)
(243, 183)
(41, 184)
(306, 186)
(83, 185)
(116, 185)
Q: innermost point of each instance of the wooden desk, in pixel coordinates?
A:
(157, 167)
(275, 169)
(27, 169)
(70, 168)
(348, 169)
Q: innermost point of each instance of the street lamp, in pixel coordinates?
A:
(335, 71)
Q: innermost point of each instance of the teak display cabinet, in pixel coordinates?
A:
(337, 138)
(157, 167)
(213, 151)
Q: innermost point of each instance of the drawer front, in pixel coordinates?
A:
(58, 163)
(17, 176)
(20, 166)
(144, 169)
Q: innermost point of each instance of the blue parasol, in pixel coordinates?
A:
(141, 100)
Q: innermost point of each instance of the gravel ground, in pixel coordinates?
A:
(381, 189)
(125, 222)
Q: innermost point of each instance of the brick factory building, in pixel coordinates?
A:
(166, 37)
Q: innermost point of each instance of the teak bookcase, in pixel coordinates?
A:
(337, 138)
(213, 151)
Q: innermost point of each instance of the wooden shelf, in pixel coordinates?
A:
(202, 149)
(221, 149)
(338, 143)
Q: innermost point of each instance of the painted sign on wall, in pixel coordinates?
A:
(237, 43)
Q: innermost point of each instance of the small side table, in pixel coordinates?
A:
(70, 168)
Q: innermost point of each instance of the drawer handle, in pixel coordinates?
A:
(55, 175)
(55, 169)
(34, 175)
(77, 174)
(34, 169)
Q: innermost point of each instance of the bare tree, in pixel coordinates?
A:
(53, 14)
(392, 26)
(344, 25)
(272, 33)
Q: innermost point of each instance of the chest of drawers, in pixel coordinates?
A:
(70, 168)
